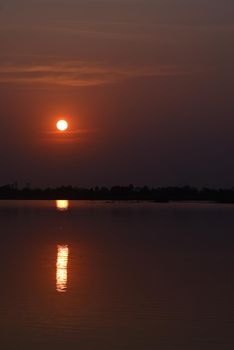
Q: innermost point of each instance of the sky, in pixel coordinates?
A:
(146, 86)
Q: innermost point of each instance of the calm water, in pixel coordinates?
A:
(134, 276)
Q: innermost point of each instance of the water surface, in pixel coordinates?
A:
(134, 276)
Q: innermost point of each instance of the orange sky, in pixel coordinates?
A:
(146, 86)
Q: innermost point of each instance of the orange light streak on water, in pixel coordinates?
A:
(61, 268)
(62, 204)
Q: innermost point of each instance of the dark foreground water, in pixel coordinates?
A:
(106, 276)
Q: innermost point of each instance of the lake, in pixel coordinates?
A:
(102, 276)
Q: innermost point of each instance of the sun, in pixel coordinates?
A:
(62, 125)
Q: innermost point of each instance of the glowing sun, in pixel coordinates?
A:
(62, 125)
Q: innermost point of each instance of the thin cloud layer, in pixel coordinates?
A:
(79, 73)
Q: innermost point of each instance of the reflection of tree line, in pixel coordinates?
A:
(130, 192)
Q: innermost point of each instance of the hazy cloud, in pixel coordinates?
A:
(79, 73)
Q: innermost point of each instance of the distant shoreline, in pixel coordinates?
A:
(120, 193)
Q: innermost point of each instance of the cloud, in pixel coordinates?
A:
(80, 73)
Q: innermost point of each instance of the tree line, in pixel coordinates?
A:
(159, 194)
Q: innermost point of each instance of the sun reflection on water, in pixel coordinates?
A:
(62, 204)
(61, 268)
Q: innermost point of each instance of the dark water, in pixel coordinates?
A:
(116, 276)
